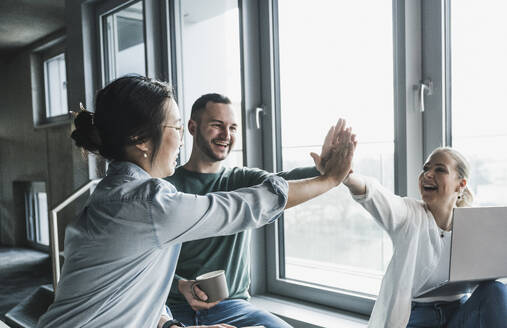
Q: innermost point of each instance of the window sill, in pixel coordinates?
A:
(52, 123)
(302, 314)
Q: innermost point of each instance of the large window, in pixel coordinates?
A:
(123, 42)
(328, 70)
(479, 67)
(307, 63)
(211, 59)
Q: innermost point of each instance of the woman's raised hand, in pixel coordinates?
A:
(338, 165)
(330, 141)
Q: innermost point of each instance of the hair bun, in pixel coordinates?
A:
(86, 134)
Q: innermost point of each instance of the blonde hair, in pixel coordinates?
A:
(466, 198)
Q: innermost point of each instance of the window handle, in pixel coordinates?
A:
(259, 111)
(425, 88)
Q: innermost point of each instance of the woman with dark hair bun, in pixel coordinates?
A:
(121, 251)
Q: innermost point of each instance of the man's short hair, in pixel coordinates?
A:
(203, 100)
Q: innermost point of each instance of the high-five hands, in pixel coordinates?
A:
(337, 152)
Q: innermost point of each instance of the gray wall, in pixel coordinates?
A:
(22, 149)
(26, 153)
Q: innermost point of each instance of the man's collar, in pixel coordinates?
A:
(191, 168)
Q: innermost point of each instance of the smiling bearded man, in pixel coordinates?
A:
(214, 128)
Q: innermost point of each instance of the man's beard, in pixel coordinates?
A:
(205, 147)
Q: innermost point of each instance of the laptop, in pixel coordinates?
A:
(478, 250)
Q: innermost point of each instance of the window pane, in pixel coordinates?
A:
(211, 59)
(125, 42)
(478, 98)
(327, 71)
(36, 211)
(55, 85)
(42, 219)
(30, 216)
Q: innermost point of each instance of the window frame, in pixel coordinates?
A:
(93, 51)
(408, 152)
(260, 89)
(32, 207)
(46, 80)
(49, 49)
(436, 68)
(102, 11)
(25, 194)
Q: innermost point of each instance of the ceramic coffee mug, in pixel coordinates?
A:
(213, 284)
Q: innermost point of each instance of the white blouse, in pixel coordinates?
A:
(441, 274)
(417, 249)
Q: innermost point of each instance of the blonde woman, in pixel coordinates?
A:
(421, 235)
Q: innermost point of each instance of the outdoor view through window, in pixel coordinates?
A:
(478, 53)
(333, 64)
(125, 42)
(55, 85)
(211, 60)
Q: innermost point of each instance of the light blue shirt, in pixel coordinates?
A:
(121, 251)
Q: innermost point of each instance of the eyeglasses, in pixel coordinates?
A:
(181, 129)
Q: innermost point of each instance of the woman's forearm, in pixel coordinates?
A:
(302, 190)
(356, 184)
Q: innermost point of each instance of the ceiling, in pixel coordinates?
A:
(25, 21)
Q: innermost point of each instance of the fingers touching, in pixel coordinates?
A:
(338, 130)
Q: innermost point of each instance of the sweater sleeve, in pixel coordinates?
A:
(256, 176)
(299, 173)
(389, 210)
(179, 217)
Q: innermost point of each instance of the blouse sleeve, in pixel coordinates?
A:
(388, 209)
(180, 217)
